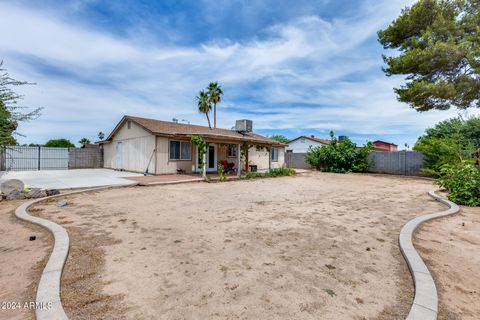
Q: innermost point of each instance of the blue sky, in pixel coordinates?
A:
(293, 67)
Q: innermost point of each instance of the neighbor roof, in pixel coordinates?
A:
(172, 129)
(322, 141)
(393, 144)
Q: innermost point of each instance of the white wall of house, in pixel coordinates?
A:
(136, 148)
(261, 158)
(301, 145)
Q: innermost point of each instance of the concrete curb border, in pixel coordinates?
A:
(49, 305)
(425, 303)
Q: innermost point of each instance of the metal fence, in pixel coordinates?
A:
(20, 158)
(409, 163)
(296, 160)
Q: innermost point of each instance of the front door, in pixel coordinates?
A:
(211, 159)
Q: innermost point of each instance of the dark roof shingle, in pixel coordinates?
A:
(159, 127)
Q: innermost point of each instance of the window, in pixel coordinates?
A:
(129, 124)
(180, 150)
(232, 150)
(275, 154)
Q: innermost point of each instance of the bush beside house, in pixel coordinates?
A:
(339, 156)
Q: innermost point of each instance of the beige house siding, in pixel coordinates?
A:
(261, 158)
(137, 148)
(165, 165)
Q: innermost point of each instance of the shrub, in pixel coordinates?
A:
(221, 172)
(253, 175)
(462, 180)
(339, 156)
(278, 172)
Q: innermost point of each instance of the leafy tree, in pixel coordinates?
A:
(339, 156)
(449, 142)
(101, 135)
(215, 93)
(84, 141)
(279, 138)
(204, 105)
(59, 143)
(10, 111)
(439, 44)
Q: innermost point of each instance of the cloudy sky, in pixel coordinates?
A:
(293, 67)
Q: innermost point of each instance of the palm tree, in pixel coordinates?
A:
(84, 141)
(215, 94)
(204, 105)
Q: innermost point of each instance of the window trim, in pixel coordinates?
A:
(273, 153)
(180, 153)
(234, 149)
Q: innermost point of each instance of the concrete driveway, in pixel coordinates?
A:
(70, 179)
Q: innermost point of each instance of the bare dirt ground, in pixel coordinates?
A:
(21, 262)
(450, 247)
(316, 246)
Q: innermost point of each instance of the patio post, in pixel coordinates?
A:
(270, 158)
(239, 160)
(204, 168)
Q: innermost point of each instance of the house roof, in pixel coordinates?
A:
(172, 129)
(392, 144)
(322, 141)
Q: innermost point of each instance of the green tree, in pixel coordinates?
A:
(10, 112)
(279, 138)
(84, 141)
(59, 143)
(339, 156)
(439, 44)
(449, 142)
(215, 93)
(204, 105)
(101, 135)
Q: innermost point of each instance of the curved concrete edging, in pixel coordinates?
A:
(425, 303)
(49, 305)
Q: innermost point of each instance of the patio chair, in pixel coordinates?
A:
(227, 167)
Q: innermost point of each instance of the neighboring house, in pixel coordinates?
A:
(165, 147)
(384, 146)
(303, 143)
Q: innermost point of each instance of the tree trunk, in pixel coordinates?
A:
(214, 115)
(208, 119)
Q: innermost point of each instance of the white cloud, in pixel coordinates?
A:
(305, 61)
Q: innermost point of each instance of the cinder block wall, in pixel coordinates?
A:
(85, 158)
(408, 163)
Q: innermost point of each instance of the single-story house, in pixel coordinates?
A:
(164, 147)
(384, 146)
(303, 143)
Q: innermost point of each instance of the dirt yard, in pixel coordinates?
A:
(316, 246)
(450, 247)
(21, 262)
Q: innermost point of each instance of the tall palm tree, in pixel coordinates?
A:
(204, 105)
(215, 93)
